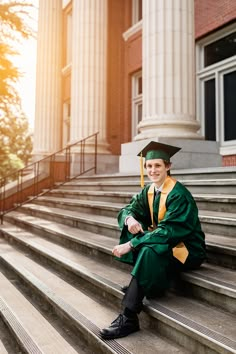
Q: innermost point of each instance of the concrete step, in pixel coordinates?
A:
(220, 250)
(216, 202)
(85, 206)
(193, 173)
(219, 223)
(77, 311)
(101, 218)
(196, 325)
(78, 201)
(207, 284)
(119, 197)
(97, 224)
(199, 186)
(33, 333)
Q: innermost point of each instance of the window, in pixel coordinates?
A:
(216, 86)
(210, 109)
(230, 106)
(137, 12)
(68, 38)
(220, 50)
(137, 105)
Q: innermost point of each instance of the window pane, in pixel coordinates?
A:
(220, 50)
(69, 39)
(140, 88)
(210, 110)
(137, 11)
(140, 112)
(230, 106)
(140, 11)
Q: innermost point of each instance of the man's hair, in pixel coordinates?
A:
(166, 164)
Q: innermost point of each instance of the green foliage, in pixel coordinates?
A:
(15, 140)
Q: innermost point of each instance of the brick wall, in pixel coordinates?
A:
(212, 14)
(229, 160)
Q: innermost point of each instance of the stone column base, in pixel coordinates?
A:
(193, 154)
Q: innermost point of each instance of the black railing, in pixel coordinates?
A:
(50, 172)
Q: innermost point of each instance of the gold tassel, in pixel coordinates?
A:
(141, 171)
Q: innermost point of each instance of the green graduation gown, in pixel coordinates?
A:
(153, 249)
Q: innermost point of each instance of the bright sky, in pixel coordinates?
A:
(26, 62)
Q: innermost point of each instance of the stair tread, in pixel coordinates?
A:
(218, 181)
(71, 213)
(217, 214)
(117, 205)
(223, 216)
(219, 240)
(109, 205)
(67, 231)
(97, 313)
(43, 334)
(212, 196)
(79, 192)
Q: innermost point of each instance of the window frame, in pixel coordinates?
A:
(135, 12)
(216, 71)
(137, 101)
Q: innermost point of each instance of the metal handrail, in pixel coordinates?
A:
(44, 174)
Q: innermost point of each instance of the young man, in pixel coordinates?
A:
(160, 233)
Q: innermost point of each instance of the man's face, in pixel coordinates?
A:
(157, 171)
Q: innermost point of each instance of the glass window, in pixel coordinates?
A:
(230, 106)
(220, 50)
(137, 104)
(68, 38)
(140, 87)
(137, 12)
(210, 110)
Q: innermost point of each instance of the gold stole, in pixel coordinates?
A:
(180, 251)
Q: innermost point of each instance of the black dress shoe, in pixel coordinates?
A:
(122, 326)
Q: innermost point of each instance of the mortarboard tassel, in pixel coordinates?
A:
(141, 171)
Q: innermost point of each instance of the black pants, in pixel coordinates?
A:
(133, 298)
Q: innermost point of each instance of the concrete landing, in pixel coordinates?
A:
(193, 154)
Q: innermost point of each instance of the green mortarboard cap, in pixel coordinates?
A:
(154, 150)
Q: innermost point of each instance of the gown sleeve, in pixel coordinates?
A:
(138, 208)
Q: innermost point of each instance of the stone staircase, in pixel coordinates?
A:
(60, 283)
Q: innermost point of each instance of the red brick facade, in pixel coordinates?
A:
(213, 14)
(229, 160)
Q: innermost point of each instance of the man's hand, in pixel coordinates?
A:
(119, 250)
(134, 226)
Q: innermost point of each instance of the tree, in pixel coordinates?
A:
(15, 139)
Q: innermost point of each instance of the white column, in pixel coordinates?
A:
(89, 65)
(168, 70)
(47, 132)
